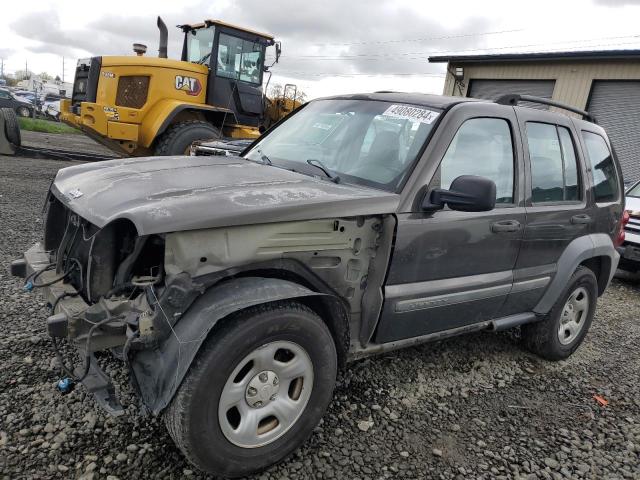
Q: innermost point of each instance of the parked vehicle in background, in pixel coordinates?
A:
(22, 107)
(236, 286)
(630, 249)
(50, 97)
(51, 110)
(26, 95)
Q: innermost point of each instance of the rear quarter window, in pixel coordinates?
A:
(603, 170)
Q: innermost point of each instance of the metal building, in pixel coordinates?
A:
(606, 83)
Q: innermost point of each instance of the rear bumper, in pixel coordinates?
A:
(68, 321)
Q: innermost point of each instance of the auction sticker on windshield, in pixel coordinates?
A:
(415, 114)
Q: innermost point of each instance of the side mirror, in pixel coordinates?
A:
(278, 51)
(467, 193)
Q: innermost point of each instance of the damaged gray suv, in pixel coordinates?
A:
(235, 287)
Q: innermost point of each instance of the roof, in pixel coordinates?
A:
(423, 99)
(230, 25)
(540, 56)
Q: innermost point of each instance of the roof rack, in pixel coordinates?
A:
(514, 98)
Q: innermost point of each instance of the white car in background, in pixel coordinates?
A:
(630, 249)
(52, 110)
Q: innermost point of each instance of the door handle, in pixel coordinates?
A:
(581, 219)
(505, 226)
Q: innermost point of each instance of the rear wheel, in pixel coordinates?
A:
(565, 326)
(177, 139)
(11, 126)
(256, 391)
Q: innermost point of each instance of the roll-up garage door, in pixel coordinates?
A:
(492, 89)
(616, 106)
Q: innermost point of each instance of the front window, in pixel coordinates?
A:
(240, 59)
(200, 45)
(481, 147)
(370, 143)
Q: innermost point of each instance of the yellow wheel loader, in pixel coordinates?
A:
(140, 105)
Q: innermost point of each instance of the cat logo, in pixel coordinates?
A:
(188, 84)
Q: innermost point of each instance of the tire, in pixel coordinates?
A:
(209, 435)
(23, 112)
(177, 139)
(545, 338)
(11, 127)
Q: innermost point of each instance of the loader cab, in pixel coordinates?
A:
(235, 57)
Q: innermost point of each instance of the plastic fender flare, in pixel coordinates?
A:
(160, 371)
(579, 250)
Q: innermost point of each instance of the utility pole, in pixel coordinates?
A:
(62, 69)
(2, 67)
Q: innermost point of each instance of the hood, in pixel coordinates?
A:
(167, 194)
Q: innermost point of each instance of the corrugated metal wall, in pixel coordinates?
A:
(493, 89)
(573, 78)
(616, 106)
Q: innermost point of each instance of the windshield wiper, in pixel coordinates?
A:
(318, 164)
(203, 59)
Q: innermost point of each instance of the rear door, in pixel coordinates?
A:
(452, 269)
(557, 204)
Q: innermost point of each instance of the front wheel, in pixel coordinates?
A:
(177, 139)
(23, 112)
(256, 391)
(565, 326)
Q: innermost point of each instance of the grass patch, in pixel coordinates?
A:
(45, 126)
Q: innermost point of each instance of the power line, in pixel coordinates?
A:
(324, 74)
(488, 49)
(423, 39)
(427, 74)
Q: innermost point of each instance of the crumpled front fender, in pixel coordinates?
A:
(160, 371)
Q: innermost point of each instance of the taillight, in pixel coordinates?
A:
(623, 223)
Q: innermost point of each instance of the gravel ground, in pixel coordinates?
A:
(471, 407)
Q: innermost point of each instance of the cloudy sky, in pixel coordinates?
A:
(329, 46)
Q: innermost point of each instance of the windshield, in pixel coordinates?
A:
(240, 59)
(366, 142)
(200, 45)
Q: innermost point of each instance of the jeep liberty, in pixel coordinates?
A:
(235, 287)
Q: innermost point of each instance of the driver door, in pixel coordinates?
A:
(451, 269)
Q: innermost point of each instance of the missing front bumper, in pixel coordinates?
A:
(68, 321)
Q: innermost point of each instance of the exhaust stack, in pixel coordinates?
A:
(164, 39)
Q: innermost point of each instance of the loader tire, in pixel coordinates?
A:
(11, 126)
(177, 139)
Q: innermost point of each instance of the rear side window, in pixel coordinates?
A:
(554, 171)
(603, 171)
(482, 147)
